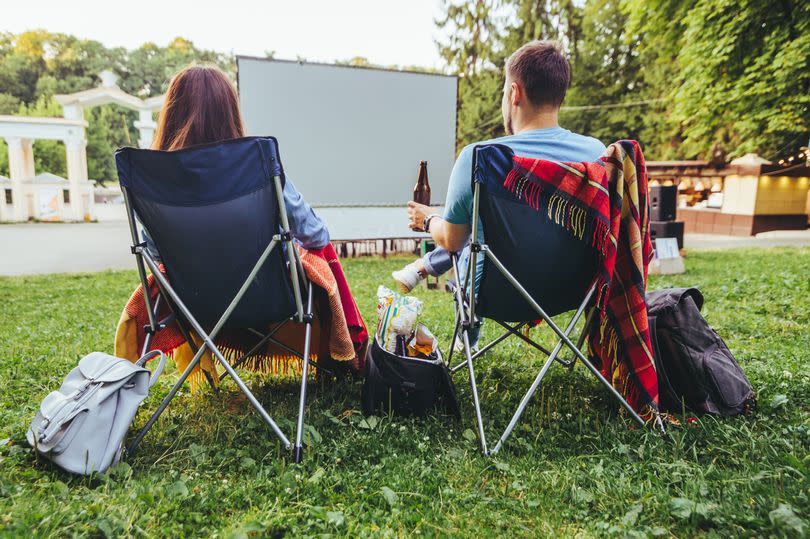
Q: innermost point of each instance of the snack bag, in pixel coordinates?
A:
(423, 343)
(384, 298)
(397, 316)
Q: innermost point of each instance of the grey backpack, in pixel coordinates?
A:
(81, 427)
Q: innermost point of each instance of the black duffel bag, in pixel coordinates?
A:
(406, 385)
(695, 368)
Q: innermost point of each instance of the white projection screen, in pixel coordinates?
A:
(351, 138)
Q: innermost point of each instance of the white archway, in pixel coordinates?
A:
(20, 132)
(73, 105)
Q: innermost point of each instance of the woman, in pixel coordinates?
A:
(201, 106)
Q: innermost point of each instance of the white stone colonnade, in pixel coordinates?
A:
(20, 132)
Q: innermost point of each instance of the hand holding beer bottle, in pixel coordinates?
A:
(421, 191)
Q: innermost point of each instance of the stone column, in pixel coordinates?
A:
(21, 166)
(77, 176)
(146, 127)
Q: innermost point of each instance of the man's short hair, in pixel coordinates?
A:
(543, 72)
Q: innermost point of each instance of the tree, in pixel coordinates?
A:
(9, 104)
(37, 64)
(479, 111)
(732, 72)
(606, 77)
(558, 20)
(109, 129)
(470, 35)
(149, 68)
(479, 36)
(745, 76)
(21, 65)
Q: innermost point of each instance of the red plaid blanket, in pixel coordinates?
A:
(605, 204)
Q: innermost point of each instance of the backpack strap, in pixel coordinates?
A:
(158, 370)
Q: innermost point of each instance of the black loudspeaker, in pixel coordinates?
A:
(663, 202)
(667, 229)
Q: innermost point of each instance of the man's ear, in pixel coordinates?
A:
(516, 94)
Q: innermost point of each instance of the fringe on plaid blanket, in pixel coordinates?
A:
(338, 335)
(605, 205)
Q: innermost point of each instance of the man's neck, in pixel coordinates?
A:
(543, 119)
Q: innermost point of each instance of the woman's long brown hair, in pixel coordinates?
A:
(201, 106)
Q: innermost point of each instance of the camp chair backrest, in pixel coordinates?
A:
(211, 211)
(555, 268)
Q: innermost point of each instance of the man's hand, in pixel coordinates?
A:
(417, 213)
(446, 235)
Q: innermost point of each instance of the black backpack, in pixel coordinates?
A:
(405, 385)
(695, 367)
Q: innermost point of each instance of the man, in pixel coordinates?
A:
(537, 78)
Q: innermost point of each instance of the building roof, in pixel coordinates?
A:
(747, 165)
(750, 159)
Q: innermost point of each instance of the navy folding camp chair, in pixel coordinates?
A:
(533, 269)
(217, 218)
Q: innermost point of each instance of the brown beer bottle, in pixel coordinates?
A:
(421, 192)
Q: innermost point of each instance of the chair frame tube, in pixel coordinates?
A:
(298, 279)
(465, 300)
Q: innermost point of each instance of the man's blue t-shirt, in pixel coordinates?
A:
(553, 144)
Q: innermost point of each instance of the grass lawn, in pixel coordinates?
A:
(210, 467)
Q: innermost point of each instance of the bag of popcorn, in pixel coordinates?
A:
(396, 317)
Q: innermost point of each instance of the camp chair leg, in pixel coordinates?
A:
(577, 352)
(300, 356)
(147, 342)
(660, 424)
(163, 405)
(569, 363)
(453, 344)
(481, 351)
(194, 348)
(612, 389)
(464, 323)
(513, 330)
(270, 339)
(162, 324)
(298, 453)
(208, 339)
(474, 389)
(264, 340)
(539, 378)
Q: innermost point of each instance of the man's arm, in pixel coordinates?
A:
(446, 235)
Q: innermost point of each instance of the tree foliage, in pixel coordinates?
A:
(745, 75)
(36, 65)
(678, 75)
(605, 70)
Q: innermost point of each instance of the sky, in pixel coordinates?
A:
(387, 32)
